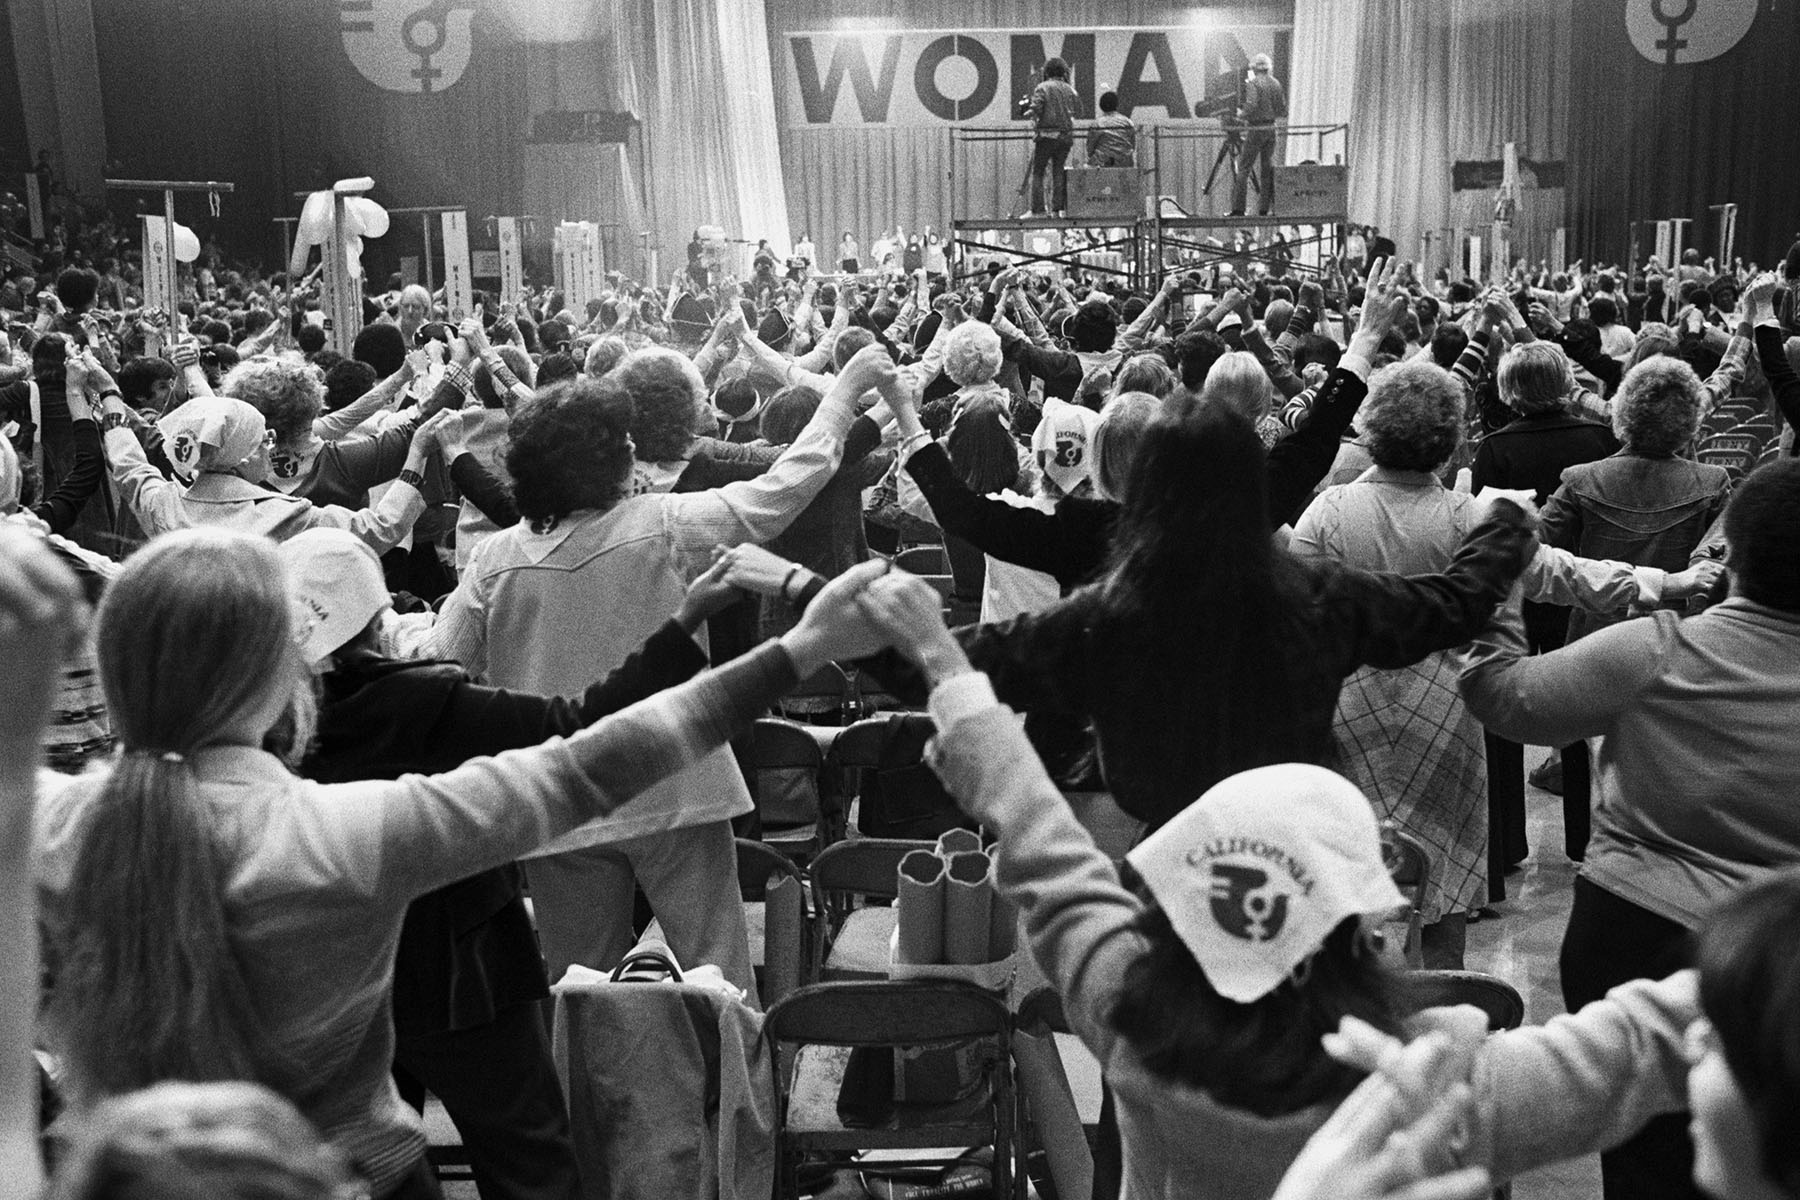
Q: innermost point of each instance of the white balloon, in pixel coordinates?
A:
(187, 246)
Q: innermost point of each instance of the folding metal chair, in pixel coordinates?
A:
(826, 1020)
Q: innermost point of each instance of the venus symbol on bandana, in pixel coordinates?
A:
(1245, 904)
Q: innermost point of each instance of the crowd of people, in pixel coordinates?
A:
(332, 656)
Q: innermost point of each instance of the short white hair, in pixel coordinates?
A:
(972, 353)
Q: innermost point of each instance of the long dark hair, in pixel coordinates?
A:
(1197, 597)
(1263, 1057)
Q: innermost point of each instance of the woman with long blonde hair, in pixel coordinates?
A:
(209, 915)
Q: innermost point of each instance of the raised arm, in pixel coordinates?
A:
(1571, 693)
(755, 510)
(332, 426)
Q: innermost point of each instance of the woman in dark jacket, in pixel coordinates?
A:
(1533, 451)
(468, 974)
(1203, 650)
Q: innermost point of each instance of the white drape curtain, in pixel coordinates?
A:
(697, 74)
(1425, 83)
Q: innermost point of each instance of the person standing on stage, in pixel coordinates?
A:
(1264, 104)
(1112, 142)
(1053, 122)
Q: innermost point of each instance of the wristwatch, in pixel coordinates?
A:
(412, 477)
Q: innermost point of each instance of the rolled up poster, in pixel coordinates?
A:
(921, 904)
(955, 841)
(1003, 927)
(968, 905)
(782, 948)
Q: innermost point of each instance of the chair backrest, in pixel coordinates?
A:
(924, 560)
(1407, 860)
(887, 1012)
(757, 863)
(782, 766)
(864, 866)
(1500, 1000)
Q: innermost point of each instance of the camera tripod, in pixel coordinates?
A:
(1231, 150)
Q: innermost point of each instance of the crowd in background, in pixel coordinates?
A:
(391, 630)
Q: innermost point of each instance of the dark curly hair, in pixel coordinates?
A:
(570, 449)
(346, 382)
(667, 395)
(77, 288)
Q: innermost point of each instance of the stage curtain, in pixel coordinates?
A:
(706, 98)
(1441, 82)
(58, 85)
(1322, 87)
(1665, 141)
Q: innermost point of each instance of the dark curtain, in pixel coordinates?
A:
(1650, 141)
(262, 93)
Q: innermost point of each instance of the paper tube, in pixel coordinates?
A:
(782, 948)
(1003, 928)
(955, 841)
(921, 917)
(968, 904)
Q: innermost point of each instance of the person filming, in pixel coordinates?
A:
(1264, 103)
(1053, 123)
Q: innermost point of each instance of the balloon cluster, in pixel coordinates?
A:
(362, 218)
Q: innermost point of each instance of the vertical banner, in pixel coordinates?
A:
(1474, 257)
(342, 294)
(156, 266)
(593, 256)
(512, 263)
(1559, 249)
(34, 203)
(571, 269)
(1665, 244)
(459, 284)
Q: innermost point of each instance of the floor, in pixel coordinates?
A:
(1519, 945)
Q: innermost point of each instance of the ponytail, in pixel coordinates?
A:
(148, 986)
(195, 648)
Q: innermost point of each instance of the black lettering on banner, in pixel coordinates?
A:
(847, 57)
(1029, 57)
(987, 77)
(1165, 91)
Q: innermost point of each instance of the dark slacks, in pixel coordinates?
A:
(498, 1083)
(1258, 154)
(1612, 941)
(1050, 154)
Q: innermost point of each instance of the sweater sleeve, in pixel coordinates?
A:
(480, 487)
(1024, 536)
(1771, 352)
(62, 506)
(1301, 459)
(368, 462)
(1575, 692)
(1585, 1081)
(483, 720)
(755, 510)
(155, 500)
(1078, 917)
(427, 831)
(1388, 621)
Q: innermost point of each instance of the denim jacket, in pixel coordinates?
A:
(1647, 511)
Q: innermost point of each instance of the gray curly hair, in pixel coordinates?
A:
(1657, 410)
(1413, 418)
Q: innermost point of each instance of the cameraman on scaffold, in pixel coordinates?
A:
(1264, 104)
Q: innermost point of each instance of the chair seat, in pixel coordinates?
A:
(812, 1118)
(861, 948)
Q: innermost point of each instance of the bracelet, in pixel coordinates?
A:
(113, 420)
(793, 570)
(412, 477)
